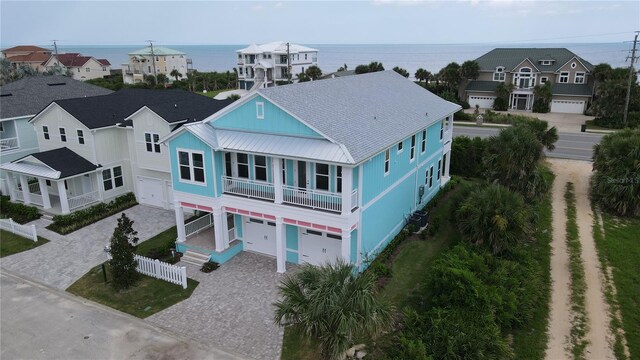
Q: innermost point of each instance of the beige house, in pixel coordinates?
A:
(154, 61)
(29, 55)
(569, 75)
(81, 67)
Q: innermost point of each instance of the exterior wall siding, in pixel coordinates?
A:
(148, 122)
(55, 118)
(27, 142)
(292, 244)
(189, 142)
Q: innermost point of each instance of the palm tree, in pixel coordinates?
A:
(313, 72)
(332, 303)
(176, 74)
(401, 71)
(496, 216)
(343, 68)
(423, 75)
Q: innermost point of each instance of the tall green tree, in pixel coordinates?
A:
(542, 95)
(313, 72)
(401, 71)
(176, 74)
(375, 66)
(423, 75)
(470, 70)
(343, 68)
(123, 263)
(451, 75)
(332, 303)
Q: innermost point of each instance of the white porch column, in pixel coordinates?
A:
(26, 195)
(347, 185)
(447, 163)
(276, 170)
(225, 229)
(101, 185)
(180, 223)
(46, 202)
(62, 192)
(346, 245)
(281, 254)
(217, 230)
(11, 184)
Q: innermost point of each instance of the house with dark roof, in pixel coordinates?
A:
(311, 172)
(21, 100)
(81, 67)
(93, 149)
(568, 74)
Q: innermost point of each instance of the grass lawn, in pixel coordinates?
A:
(11, 243)
(213, 93)
(146, 298)
(159, 246)
(620, 249)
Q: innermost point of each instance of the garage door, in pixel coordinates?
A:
(567, 106)
(485, 102)
(260, 236)
(150, 191)
(318, 248)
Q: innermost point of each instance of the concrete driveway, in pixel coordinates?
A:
(66, 258)
(562, 122)
(231, 308)
(42, 323)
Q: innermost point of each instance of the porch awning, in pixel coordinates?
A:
(263, 64)
(52, 164)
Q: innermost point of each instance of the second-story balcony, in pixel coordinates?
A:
(8, 143)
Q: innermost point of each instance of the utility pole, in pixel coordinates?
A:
(288, 64)
(153, 58)
(631, 72)
(55, 47)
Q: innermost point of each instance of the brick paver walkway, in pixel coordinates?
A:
(66, 258)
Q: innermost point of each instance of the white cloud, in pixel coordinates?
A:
(278, 5)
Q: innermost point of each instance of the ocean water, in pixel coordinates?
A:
(330, 57)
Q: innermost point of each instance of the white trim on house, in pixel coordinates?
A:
(530, 62)
(191, 167)
(574, 58)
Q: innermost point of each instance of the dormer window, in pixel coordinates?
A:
(499, 74)
(546, 62)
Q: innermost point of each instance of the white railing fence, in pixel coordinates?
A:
(18, 194)
(354, 199)
(232, 234)
(34, 188)
(27, 231)
(9, 143)
(162, 270)
(198, 224)
(311, 198)
(250, 188)
(82, 200)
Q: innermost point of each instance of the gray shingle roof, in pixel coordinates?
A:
(30, 95)
(366, 113)
(571, 89)
(480, 85)
(511, 57)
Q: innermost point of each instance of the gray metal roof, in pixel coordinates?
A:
(366, 113)
(30, 95)
(31, 169)
(512, 57)
(572, 89)
(481, 85)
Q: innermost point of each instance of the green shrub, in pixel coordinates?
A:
(64, 224)
(633, 121)
(500, 104)
(209, 266)
(466, 156)
(380, 269)
(462, 116)
(20, 213)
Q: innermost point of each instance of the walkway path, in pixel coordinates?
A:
(599, 335)
(66, 258)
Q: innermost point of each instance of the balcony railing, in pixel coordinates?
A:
(248, 188)
(82, 200)
(312, 198)
(198, 224)
(9, 143)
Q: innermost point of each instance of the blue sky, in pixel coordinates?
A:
(317, 22)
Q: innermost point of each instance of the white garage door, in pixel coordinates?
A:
(150, 191)
(567, 106)
(318, 248)
(485, 102)
(260, 236)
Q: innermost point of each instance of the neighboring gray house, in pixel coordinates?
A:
(21, 100)
(569, 74)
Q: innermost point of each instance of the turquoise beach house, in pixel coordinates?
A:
(310, 172)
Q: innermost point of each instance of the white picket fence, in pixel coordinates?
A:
(27, 231)
(162, 270)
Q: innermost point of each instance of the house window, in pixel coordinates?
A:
(386, 162)
(545, 62)
(191, 165)
(564, 77)
(579, 78)
(80, 137)
(1, 127)
(322, 176)
(104, 68)
(413, 148)
(543, 80)
(441, 129)
(63, 135)
(499, 74)
(400, 146)
(78, 69)
(152, 142)
(284, 171)
(305, 56)
(45, 132)
(260, 110)
(339, 179)
(48, 182)
(573, 65)
(430, 176)
(241, 69)
(227, 164)
(243, 165)
(112, 178)
(424, 140)
(260, 167)
(439, 169)
(88, 69)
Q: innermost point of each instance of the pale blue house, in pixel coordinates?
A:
(310, 172)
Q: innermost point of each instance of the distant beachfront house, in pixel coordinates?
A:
(164, 60)
(21, 100)
(33, 56)
(525, 68)
(262, 66)
(81, 67)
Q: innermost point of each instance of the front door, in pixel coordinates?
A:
(521, 103)
(301, 174)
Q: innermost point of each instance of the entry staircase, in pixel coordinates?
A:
(195, 258)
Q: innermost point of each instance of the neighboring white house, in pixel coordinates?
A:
(261, 66)
(164, 60)
(96, 148)
(81, 67)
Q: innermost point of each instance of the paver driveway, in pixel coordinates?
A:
(66, 258)
(231, 308)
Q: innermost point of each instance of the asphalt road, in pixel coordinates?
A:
(575, 146)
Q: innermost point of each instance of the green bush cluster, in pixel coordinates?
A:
(209, 266)
(633, 121)
(466, 156)
(462, 116)
(65, 224)
(20, 213)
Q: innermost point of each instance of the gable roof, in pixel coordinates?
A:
(571, 89)
(59, 164)
(72, 59)
(366, 113)
(482, 85)
(113, 109)
(511, 57)
(29, 95)
(104, 62)
(157, 51)
(34, 57)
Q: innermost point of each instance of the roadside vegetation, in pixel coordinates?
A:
(11, 243)
(610, 91)
(19, 213)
